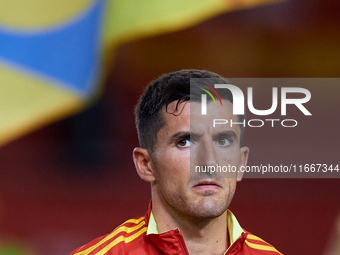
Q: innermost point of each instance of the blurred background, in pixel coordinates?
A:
(74, 180)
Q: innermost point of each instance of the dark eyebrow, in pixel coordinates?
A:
(225, 134)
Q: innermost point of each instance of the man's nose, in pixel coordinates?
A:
(207, 154)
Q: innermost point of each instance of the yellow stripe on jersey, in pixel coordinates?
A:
(121, 239)
(122, 228)
(252, 237)
(262, 247)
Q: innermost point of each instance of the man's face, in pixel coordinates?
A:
(199, 195)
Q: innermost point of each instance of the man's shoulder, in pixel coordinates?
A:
(127, 236)
(257, 246)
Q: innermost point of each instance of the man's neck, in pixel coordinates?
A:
(201, 236)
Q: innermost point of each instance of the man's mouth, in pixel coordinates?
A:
(207, 185)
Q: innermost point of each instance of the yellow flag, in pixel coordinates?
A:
(51, 50)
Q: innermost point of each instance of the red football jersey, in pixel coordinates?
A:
(139, 236)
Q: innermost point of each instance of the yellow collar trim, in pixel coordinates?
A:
(152, 227)
(234, 228)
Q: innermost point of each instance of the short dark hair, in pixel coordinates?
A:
(161, 92)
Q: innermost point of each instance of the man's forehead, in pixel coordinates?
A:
(176, 119)
(206, 123)
(187, 115)
(176, 113)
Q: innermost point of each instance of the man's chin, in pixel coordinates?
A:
(208, 207)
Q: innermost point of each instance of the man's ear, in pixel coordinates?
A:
(243, 162)
(142, 160)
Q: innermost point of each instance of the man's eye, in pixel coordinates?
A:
(183, 143)
(223, 142)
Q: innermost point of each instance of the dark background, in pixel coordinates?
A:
(72, 181)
